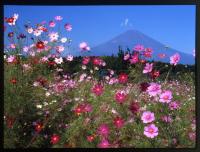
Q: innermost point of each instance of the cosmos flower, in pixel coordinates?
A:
(58, 18)
(154, 89)
(148, 68)
(70, 58)
(123, 78)
(37, 32)
(55, 139)
(118, 122)
(90, 138)
(148, 52)
(60, 48)
(126, 57)
(134, 107)
(174, 105)
(113, 81)
(11, 59)
(147, 117)
(58, 60)
(52, 24)
(175, 59)
(120, 96)
(84, 46)
(25, 49)
(97, 89)
(144, 86)
(104, 144)
(151, 131)
(103, 130)
(134, 59)
(138, 47)
(40, 45)
(68, 27)
(166, 96)
(86, 60)
(53, 36)
(11, 21)
(63, 40)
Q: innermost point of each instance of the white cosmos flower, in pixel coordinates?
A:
(53, 36)
(37, 32)
(63, 40)
(30, 30)
(58, 60)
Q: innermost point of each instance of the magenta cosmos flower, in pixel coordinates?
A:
(174, 105)
(84, 46)
(11, 59)
(103, 130)
(134, 59)
(174, 59)
(151, 131)
(123, 78)
(97, 89)
(104, 144)
(166, 96)
(118, 122)
(52, 24)
(138, 47)
(120, 96)
(154, 89)
(148, 117)
(148, 68)
(68, 27)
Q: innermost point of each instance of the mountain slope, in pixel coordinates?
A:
(131, 38)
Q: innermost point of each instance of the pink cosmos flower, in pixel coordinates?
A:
(97, 89)
(60, 48)
(12, 46)
(148, 68)
(104, 144)
(138, 47)
(103, 130)
(68, 27)
(166, 96)
(147, 117)
(120, 96)
(113, 81)
(11, 59)
(192, 136)
(97, 61)
(52, 24)
(70, 58)
(175, 59)
(174, 105)
(58, 18)
(134, 59)
(126, 57)
(151, 131)
(84, 46)
(86, 60)
(154, 89)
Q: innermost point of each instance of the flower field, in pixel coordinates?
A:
(57, 101)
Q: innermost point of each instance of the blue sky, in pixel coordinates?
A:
(171, 25)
